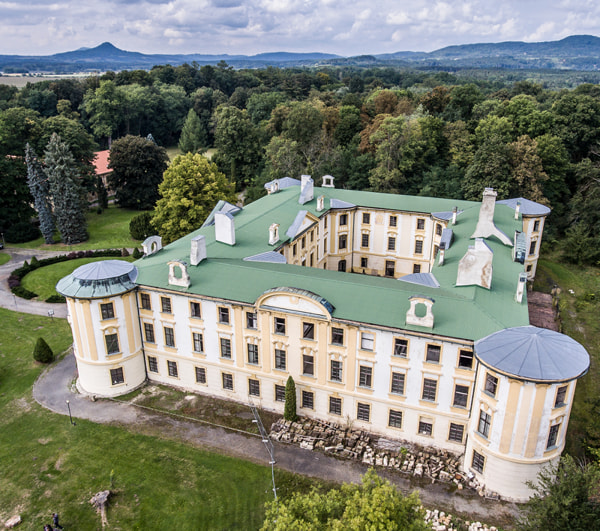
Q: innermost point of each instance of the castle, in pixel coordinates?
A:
(406, 315)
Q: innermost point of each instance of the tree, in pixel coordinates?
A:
(42, 351)
(490, 168)
(66, 191)
(191, 188)
(374, 504)
(565, 497)
(40, 190)
(15, 197)
(193, 137)
(289, 412)
(103, 107)
(138, 165)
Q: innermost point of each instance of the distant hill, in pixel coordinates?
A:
(578, 52)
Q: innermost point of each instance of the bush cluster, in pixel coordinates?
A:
(22, 232)
(140, 227)
(42, 351)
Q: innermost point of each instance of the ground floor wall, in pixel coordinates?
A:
(111, 378)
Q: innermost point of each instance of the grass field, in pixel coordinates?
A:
(4, 257)
(109, 230)
(48, 465)
(43, 280)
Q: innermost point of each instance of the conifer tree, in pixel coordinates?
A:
(42, 351)
(40, 190)
(193, 137)
(289, 411)
(66, 191)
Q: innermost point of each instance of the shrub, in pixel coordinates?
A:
(34, 262)
(56, 299)
(42, 352)
(124, 252)
(137, 253)
(21, 232)
(99, 210)
(140, 227)
(24, 293)
(289, 412)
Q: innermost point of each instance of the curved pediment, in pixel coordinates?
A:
(294, 300)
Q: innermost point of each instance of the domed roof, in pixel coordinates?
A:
(104, 278)
(534, 354)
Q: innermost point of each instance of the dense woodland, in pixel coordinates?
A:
(380, 129)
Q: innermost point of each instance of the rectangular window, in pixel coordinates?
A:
(532, 247)
(223, 315)
(429, 389)
(169, 336)
(252, 354)
(312, 258)
(400, 347)
(280, 359)
(145, 301)
(366, 217)
(391, 243)
(116, 376)
(478, 461)
(416, 268)
(200, 375)
(365, 376)
(279, 325)
(195, 310)
(433, 354)
(107, 310)
(227, 381)
(390, 268)
(419, 247)
(253, 387)
(251, 321)
(393, 221)
(198, 342)
(536, 225)
(343, 220)
(438, 229)
(308, 400)
(363, 412)
(456, 433)
(485, 420)
(491, 384)
(335, 405)
(336, 371)
(398, 383)
(165, 304)
(420, 224)
(365, 240)
(395, 418)
(149, 332)
(364, 261)
(425, 428)
(303, 242)
(308, 331)
(337, 336)
(152, 364)
(112, 343)
(367, 341)
(561, 395)
(461, 396)
(172, 369)
(308, 365)
(280, 393)
(294, 250)
(342, 241)
(552, 436)
(465, 359)
(225, 347)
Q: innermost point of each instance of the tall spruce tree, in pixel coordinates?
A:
(66, 191)
(289, 410)
(40, 190)
(193, 136)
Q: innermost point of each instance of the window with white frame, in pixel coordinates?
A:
(280, 359)
(397, 386)
(336, 370)
(169, 336)
(279, 393)
(165, 304)
(308, 365)
(395, 418)
(461, 396)
(552, 436)
(425, 427)
(365, 376)
(198, 342)
(152, 364)
(116, 376)
(227, 381)
(456, 432)
(337, 336)
(478, 462)
(335, 405)
(253, 387)
(195, 310)
(308, 330)
(172, 369)
(561, 396)
(225, 347)
(363, 411)
(252, 353)
(400, 347)
(367, 340)
(149, 332)
(429, 389)
(465, 359)
(223, 315)
(251, 321)
(491, 384)
(391, 246)
(485, 421)
(279, 325)
(107, 310)
(145, 301)
(200, 375)
(308, 400)
(112, 343)
(433, 354)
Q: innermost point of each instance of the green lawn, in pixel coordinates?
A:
(4, 257)
(109, 230)
(48, 465)
(43, 280)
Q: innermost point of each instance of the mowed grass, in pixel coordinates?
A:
(48, 465)
(109, 230)
(43, 280)
(4, 257)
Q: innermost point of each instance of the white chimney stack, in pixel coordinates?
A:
(441, 254)
(454, 214)
(328, 181)
(224, 228)
(320, 203)
(198, 250)
(521, 287)
(273, 234)
(517, 209)
(306, 189)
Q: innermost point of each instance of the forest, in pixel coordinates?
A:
(391, 130)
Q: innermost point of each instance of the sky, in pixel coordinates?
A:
(248, 27)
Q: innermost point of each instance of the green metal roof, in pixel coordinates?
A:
(466, 312)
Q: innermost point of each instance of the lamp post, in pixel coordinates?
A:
(70, 417)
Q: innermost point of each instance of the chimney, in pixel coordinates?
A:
(485, 226)
(441, 253)
(273, 234)
(422, 317)
(454, 214)
(198, 250)
(151, 245)
(306, 189)
(224, 228)
(517, 209)
(521, 287)
(328, 181)
(320, 203)
(273, 187)
(475, 267)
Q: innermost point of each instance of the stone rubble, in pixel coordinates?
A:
(374, 450)
(440, 521)
(13, 522)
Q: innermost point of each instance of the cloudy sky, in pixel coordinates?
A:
(351, 27)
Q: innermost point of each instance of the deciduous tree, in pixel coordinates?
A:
(193, 136)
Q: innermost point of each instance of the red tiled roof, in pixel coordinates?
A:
(101, 162)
